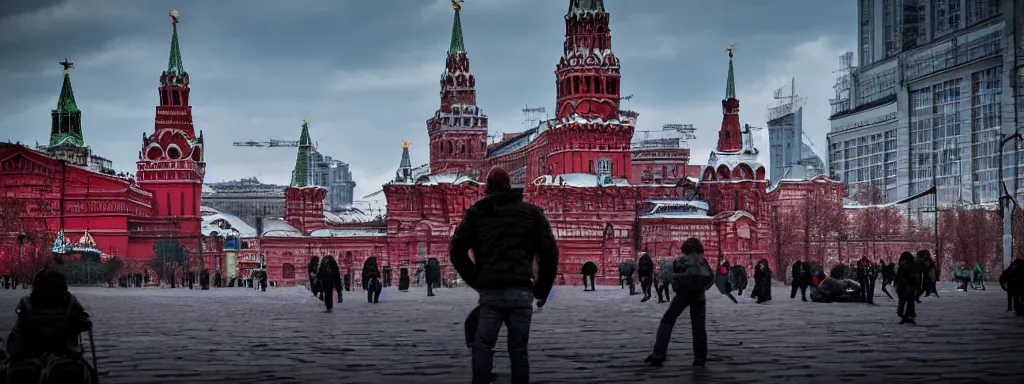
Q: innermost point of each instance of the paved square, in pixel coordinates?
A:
(237, 335)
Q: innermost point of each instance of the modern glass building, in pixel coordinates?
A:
(929, 99)
(792, 154)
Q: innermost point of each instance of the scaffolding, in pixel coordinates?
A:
(841, 103)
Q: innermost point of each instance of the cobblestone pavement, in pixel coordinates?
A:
(237, 335)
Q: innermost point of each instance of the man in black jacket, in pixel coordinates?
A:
(645, 270)
(908, 288)
(505, 234)
(801, 275)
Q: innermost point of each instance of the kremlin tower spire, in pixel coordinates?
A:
(66, 127)
(589, 136)
(171, 163)
(303, 201)
(300, 175)
(458, 129)
(730, 138)
(404, 173)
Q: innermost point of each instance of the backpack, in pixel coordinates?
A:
(51, 369)
(692, 274)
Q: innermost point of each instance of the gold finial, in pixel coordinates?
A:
(67, 65)
(405, 144)
(731, 49)
(456, 6)
(305, 121)
(175, 16)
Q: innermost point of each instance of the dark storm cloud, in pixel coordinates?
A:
(366, 72)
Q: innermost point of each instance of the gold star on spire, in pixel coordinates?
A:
(175, 16)
(731, 49)
(405, 144)
(305, 121)
(456, 6)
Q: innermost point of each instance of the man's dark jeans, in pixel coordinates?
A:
(698, 306)
(514, 308)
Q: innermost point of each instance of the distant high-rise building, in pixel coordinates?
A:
(929, 100)
(791, 152)
(313, 168)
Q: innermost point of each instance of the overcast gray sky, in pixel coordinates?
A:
(366, 72)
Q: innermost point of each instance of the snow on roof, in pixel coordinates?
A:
(677, 215)
(274, 227)
(206, 211)
(578, 180)
(208, 189)
(680, 203)
(446, 178)
(577, 119)
(347, 233)
(352, 215)
(226, 224)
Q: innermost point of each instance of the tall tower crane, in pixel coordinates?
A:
(272, 143)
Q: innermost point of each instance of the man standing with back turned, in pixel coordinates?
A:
(505, 234)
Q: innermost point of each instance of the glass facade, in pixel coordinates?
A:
(986, 113)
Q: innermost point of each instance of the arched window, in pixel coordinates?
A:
(288, 271)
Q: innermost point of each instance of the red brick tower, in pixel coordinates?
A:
(458, 130)
(589, 136)
(730, 138)
(171, 163)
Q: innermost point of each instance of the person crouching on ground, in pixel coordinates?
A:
(505, 234)
(692, 277)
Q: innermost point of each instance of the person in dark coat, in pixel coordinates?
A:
(888, 271)
(311, 271)
(403, 279)
(386, 271)
(507, 236)
(433, 275)
(645, 271)
(371, 280)
(908, 288)
(263, 279)
(626, 271)
(801, 274)
(191, 279)
(329, 276)
(204, 280)
(664, 281)
(929, 274)
(589, 272)
(738, 279)
(722, 280)
(348, 281)
(692, 276)
(217, 279)
(762, 282)
(1012, 281)
(867, 274)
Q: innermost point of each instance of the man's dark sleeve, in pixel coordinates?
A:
(547, 258)
(458, 252)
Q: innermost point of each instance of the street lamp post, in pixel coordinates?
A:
(1007, 203)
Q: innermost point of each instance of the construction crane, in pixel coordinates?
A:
(272, 143)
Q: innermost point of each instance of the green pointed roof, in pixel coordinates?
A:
(457, 45)
(300, 175)
(304, 140)
(730, 83)
(66, 102)
(174, 64)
